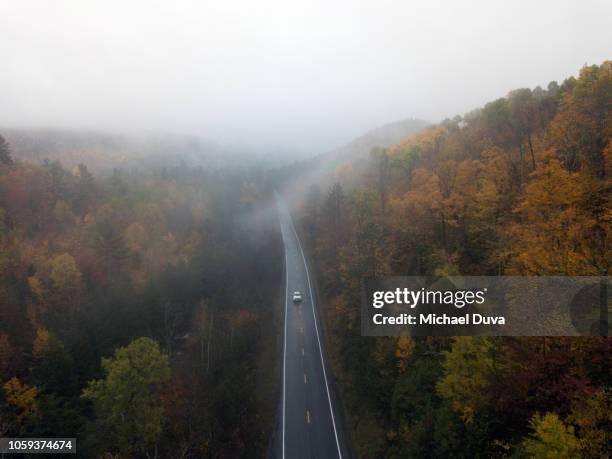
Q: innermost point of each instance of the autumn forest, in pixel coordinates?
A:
(132, 309)
(521, 186)
(141, 307)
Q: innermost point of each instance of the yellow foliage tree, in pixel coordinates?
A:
(551, 236)
(551, 439)
(469, 369)
(65, 274)
(135, 237)
(21, 397)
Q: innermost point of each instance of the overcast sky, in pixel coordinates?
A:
(280, 74)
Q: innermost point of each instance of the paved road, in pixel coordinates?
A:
(310, 423)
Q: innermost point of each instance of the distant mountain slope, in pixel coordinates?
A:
(328, 168)
(101, 152)
(383, 136)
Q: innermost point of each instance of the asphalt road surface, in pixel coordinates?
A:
(310, 421)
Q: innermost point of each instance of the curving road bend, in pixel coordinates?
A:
(310, 423)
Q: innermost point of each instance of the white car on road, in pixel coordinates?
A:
(297, 297)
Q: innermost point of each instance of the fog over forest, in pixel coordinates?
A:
(200, 202)
(284, 77)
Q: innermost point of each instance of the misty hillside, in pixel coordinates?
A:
(101, 151)
(383, 136)
(342, 163)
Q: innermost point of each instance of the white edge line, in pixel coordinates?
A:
(285, 337)
(331, 410)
